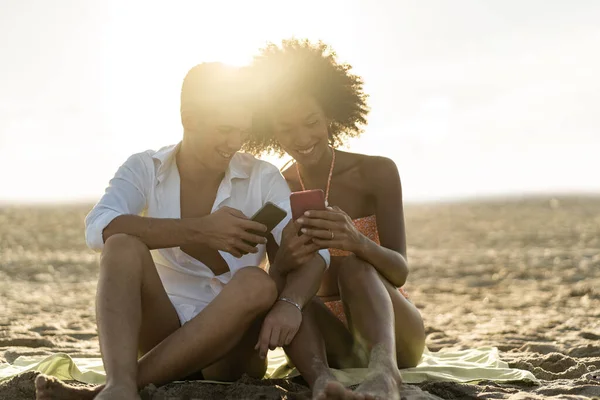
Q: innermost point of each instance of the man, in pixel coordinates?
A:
(178, 281)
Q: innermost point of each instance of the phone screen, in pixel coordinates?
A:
(306, 201)
(269, 215)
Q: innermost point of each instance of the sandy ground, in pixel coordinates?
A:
(522, 275)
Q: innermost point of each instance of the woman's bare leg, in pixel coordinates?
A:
(125, 266)
(388, 326)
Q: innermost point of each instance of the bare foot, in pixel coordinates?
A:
(383, 379)
(49, 388)
(326, 387)
(380, 385)
(337, 391)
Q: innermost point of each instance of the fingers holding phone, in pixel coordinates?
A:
(294, 250)
(268, 216)
(226, 229)
(308, 200)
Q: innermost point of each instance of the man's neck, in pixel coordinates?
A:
(191, 169)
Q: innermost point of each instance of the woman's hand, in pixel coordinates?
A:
(294, 250)
(331, 228)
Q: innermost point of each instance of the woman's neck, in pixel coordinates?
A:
(317, 173)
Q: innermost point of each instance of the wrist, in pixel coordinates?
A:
(361, 247)
(193, 230)
(290, 302)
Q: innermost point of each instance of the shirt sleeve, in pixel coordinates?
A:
(126, 194)
(278, 193)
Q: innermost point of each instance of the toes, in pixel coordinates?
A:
(40, 382)
(350, 395)
(336, 391)
(42, 387)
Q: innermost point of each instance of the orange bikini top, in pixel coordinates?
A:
(367, 226)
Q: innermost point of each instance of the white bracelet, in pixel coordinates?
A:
(292, 302)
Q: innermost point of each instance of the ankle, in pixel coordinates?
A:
(123, 384)
(382, 356)
(319, 371)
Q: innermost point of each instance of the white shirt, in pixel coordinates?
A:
(148, 184)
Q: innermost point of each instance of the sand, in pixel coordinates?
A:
(519, 274)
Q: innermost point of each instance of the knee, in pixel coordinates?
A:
(123, 248)
(411, 354)
(354, 273)
(260, 290)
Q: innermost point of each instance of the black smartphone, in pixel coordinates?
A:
(269, 215)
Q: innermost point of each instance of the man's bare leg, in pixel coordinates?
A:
(249, 294)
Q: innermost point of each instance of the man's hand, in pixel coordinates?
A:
(294, 250)
(226, 229)
(279, 327)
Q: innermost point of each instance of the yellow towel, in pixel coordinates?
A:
(459, 366)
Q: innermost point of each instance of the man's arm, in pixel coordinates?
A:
(126, 197)
(296, 287)
(300, 285)
(156, 233)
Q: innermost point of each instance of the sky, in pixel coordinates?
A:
(470, 98)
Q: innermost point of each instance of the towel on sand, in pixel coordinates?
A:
(457, 366)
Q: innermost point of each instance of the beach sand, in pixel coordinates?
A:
(521, 274)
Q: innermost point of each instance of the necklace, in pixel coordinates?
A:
(328, 178)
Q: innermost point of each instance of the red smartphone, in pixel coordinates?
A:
(307, 200)
(269, 215)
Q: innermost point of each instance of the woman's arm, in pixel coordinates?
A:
(389, 258)
(333, 228)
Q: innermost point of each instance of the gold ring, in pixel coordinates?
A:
(332, 235)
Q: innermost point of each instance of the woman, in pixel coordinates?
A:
(314, 104)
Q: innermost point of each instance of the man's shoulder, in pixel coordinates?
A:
(151, 158)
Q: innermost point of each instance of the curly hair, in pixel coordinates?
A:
(301, 67)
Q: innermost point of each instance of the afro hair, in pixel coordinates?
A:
(300, 67)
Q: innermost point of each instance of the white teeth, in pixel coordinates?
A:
(307, 151)
(225, 155)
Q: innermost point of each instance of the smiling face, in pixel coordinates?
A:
(300, 126)
(217, 135)
(216, 113)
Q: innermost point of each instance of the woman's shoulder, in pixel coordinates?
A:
(289, 172)
(372, 167)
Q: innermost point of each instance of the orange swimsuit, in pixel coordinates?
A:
(368, 227)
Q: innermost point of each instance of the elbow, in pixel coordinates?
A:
(400, 275)
(95, 226)
(93, 240)
(91, 234)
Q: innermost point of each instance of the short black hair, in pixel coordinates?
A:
(302, 67)
(212, 83)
